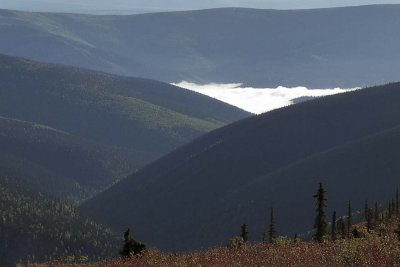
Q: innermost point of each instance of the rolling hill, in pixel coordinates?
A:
(36, 228)
(90, 129)
(60, 164)
(315, 48)
(199, 195)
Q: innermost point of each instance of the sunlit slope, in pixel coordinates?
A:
(347, 47)
(93, 128)
(36, 228)
(200, 194)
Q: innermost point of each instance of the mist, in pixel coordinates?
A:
(258, 100)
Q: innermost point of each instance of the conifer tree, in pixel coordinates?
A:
(349, 218)
(320, 221)
(131, 247)
(272, 229)
(265, 236)
(376, 215)
(342, 227)
(296, 238)
(333, 226)
(369, 219)
(244, 233)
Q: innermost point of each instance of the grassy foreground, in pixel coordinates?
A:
(380, 247)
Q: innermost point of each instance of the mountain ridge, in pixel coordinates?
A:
(197, 181)
(260, 48)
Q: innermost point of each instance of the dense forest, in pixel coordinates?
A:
(83, 130)
(36, 228)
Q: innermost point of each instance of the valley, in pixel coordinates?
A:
(199, 136)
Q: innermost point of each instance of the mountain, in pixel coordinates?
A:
(36, 228)
(140, 6)
(57, 163)
(319, 48)
(200, 194)
(87, 129)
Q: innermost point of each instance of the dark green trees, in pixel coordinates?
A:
(320, 219)
(272, 229)
(270, 232)
(333, 226)
(349, 219)
(131, 247)
(244, 234)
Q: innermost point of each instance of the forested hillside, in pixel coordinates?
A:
(36, 228)
(234, 174)
(264, 48)
(71, 132)
(57, 163)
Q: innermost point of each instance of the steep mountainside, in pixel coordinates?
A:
(89, 129)
(346, 47)
(34, 227)
(234, 174)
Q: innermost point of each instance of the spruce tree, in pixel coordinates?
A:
(244, 233)
(342, 227)
(131, 247)
(333, 226)
(376, 215)
(272, 229)
(320, 221)
(369, 219)
(265, 236)
(296, 238)
(349, 218)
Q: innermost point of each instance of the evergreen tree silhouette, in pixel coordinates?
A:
(244, 233)
(349, 218)
(369, 219)
(131, 247)
(376, 215)
(342, 227)
(333, 226)
(320, 221)
(272, 229)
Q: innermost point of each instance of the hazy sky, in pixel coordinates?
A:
(257, 100)
(133, 6)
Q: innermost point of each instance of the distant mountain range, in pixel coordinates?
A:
(70, 132)
(344, 47)
(141, 6)
(199, 195)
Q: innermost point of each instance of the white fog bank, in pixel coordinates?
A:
(258, 100)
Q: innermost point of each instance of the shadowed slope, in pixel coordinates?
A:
(191, 198)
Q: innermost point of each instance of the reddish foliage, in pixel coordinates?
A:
(379, 248)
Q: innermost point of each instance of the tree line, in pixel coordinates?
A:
(337, 228)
